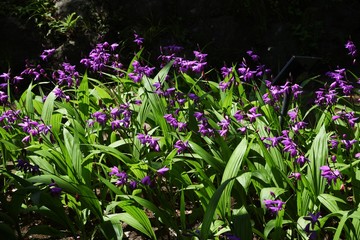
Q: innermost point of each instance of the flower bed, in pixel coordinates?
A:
(171, 152)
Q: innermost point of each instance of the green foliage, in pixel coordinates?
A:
(116, 158)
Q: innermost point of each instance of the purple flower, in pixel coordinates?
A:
(146, 181)
(253, 115)
(100, 58)
(293, 114)
(17, 79)
(224, 85)
(224, 124)
(114, 46)
(27, 167)
(350, 46)
(254, 57)
(334, 143)
(181, 146)
(67, 74)
(314, 219)
(162, 171)
(55, 191)
(274, 206)
(5, 76)
(238, 116)
(100, 117)
(230, 236)
(296, 176)
(242, 130)
(299, 125)
(201, 57)
(114, 171)
(132, 184)
(47, 53)
(289, 145)
(138, 40)
(301, 160)
(329, 174)
(348, 143)
(274, 140)
(122, 178)
(3, 97)
(147, 139)
(225, 71)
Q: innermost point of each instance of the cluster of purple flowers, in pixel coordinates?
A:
(289, 145)
(121, 116)
(347, 116)
(274, 206)
(67, 75)
(350, 46)
(123, 178)
(203, 124)
(33, 128)
(47, 53)
(60, 94)
(296, 125)
(139, 71)
(34, 72)
(174, 98)
(183, 65)
(138, 40)
(99, 117)
(329, 174)
(9, 117)
(6, 79)
(26, 166)
(276, 93)
(153, 143)
(181, 146)
(245, 72)
(334, 142)
(224, 124)
(102, 56)
(328, 94)
(252, 115)
(170, 119)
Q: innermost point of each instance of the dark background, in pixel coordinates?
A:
(225, 29)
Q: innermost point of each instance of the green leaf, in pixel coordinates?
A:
(48, 108)
(73, 149)
(29, 102)
(137, 219)
(114, 152)
(318, 155)
(90, 200)
(211, 208)
(331, 202)
(340, 226)
(242, 223)
(232, 170)
(208, 158)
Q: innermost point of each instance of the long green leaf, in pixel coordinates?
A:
(48, 108)
(232, 170)
(211, 208)
(137, 219)
(318, 155)
(208, 158)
